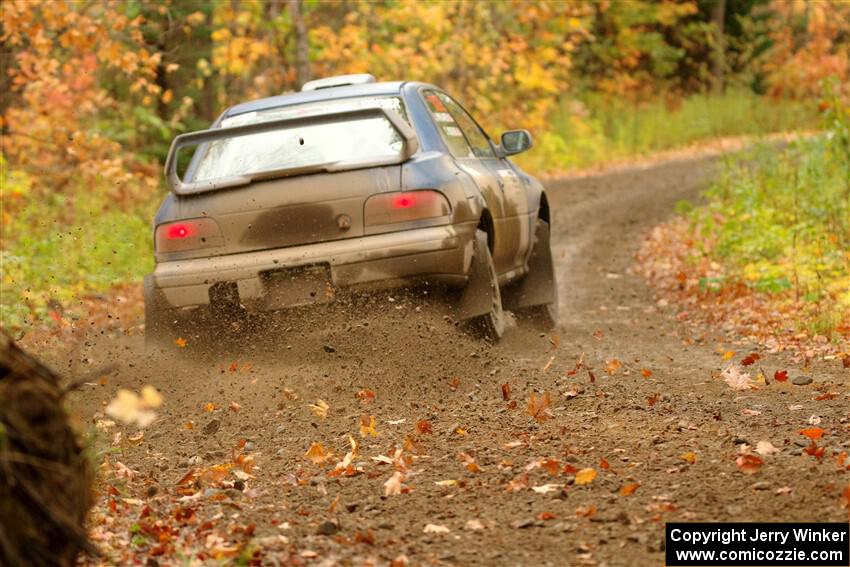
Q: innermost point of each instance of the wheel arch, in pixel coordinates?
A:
(485, 223)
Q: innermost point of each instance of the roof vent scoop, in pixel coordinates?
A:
(338, 81)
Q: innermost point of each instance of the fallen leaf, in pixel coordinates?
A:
(646, 373)
(598, 334)
(317, 454)
(812, 433)
(544, 516)
(189, 425)
(552, 466)
(585, 476)
(845, 497)
(549, 363)
(780, 375)
(547, 488)
(393, 486)
(235, 407)
(751, 359)
(506, 392)
(460, 431)
(367, 426)
(320, 408)
(689, 457)
(585, 511)
(653, 399)
(423, 427)
(728, 354)
(612, 366)
(517, 483)
(766, 448)
(736, 379)
(826, 396)
(814, 450)
(629, 489)
(365, 395)
(749, 464)
(454, 384)
(435, 529)
(210, 407)
(538, 407)
(180, 342)
(604, 464)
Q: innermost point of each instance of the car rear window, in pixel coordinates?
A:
(299, 146)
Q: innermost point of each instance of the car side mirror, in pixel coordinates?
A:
(516, 141)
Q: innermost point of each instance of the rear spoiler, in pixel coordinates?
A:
(179, 187)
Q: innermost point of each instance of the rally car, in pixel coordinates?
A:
(349, 184)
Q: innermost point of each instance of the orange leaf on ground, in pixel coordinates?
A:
(612, 366)
(780, 375)
(423, 427)
(546, 516)
(210, 407)
(845, 497)
(367, 426)
(728, 354)
(317, 454)
(552, 466)
(585, 476)
(653, 399)
(180, 342)
(365, 395)
(749, 464)
(629, 489)
(689, 457)
(538, 407)
(815, 451)
(645, 372)
(812, 433)
(454, 384)
(751, 359)
(585, 511)
(506, 392)
(604, 464)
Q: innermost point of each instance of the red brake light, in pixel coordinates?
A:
(177, 231)
(388, 208)
(189, 234)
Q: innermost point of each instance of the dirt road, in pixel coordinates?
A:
(501, 487)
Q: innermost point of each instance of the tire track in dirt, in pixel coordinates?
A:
(420, 368)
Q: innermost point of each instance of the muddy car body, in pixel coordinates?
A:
(348, 184)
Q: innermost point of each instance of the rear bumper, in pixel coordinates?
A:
(439, 254)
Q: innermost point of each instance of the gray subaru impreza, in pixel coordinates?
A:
(286, 201)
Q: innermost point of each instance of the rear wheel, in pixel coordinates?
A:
(491, 325)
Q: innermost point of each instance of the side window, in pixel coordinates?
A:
(447, 126)
(474, 135)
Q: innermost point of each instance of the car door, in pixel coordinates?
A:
(512, 229)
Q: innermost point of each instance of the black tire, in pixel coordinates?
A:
(491, 325)
(545, 315)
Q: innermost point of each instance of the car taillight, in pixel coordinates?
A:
(388, 208)
(188, 234)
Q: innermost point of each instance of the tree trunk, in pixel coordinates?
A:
(303, 72)
(45, 478)
(718, 67)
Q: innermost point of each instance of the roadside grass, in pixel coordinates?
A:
(595, 131)
(770, 251)
(73, 243)
(56, 250)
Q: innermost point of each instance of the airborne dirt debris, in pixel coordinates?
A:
(410, 442)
